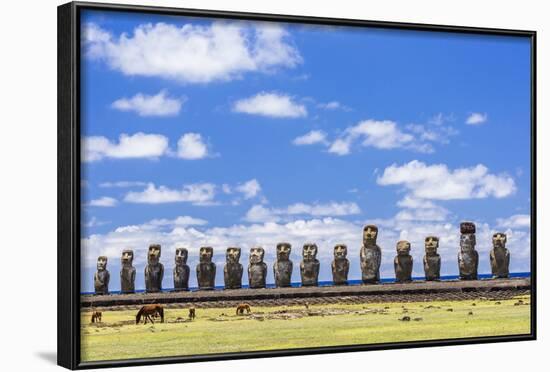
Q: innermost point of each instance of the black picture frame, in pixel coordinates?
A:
(69, 208)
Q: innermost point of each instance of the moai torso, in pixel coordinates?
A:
(403, 262)
(154, 271)
(370, 255)
(181, 270)
(206, 269)
(500, 257)
(309, 267)
(233, 269)
(101, 277)
(257, 269)
(432, 260)
(282, 268)
(127, 272)
(340, 265)
(468, 258)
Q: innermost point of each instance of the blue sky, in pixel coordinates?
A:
(201, 132)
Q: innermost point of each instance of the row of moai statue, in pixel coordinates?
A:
(370, 258)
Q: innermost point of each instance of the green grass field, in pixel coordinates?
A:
(118, 337)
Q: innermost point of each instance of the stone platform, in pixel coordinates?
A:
(419, 289)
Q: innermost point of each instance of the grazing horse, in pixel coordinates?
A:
(191, 313)
(96, 316)
(150, 310)
(241, 308)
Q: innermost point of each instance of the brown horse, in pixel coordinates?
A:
(191, 313)
(150, 310)
(96, 316)
(241, 308)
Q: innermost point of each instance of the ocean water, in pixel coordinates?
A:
(330, 283)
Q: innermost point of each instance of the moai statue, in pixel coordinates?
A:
(282, 268)
(432, 260)
(309, 267)
(206, 269)
(101, 277)
(500, 257)
(257, 269)
(370, 255)
(233, 269)
(181, 270)
(127, 272)
(154, 271)
(403, 262)
(468, 257)
(340, 265)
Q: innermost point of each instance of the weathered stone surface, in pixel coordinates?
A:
(206, 269)
(340, 265)
(127, 272)
(500, 257)
(403, 262)
(282, 268)
(181, 270)
(102, 276)
(432, 260)
(233, 269)
(154, 271)
(257, 268)
(309, 267)
(370, 255)
(468, 258)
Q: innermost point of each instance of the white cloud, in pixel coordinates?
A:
(333, 105)
(380, 134)
(226, 189)
(179, 221)
(139, 145)
(383, 135)
(476, 118)
(104, 201)
(147, 105)
(387, 135)
(196, 193)
(437, 182)
(514, 222)
(341, 146)
(272, 105)
(249, 189)
(311, 138)
(192, 147)
(259, 213)
(122, 184)
(93, 222)
(221, 51)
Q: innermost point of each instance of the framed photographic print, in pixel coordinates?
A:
(236, 185)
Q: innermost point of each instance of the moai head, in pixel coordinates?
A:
(467, 228)
(232, 255)
(205, 254)
(499, 240)
(340, 251)
(467, 236)
(127, 257)
(403, 248)
(101, 263)
(256, 255)
(370, 233)
(153, 255)
(181, 256)
(431, 243)
(309, 251)
(283, 251)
